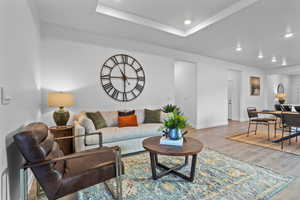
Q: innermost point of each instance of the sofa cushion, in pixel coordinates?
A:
(152, 116)
(97, 119)
(111, 118)
(140, 114)
(87, 124)
(125, 121)
(116, 134)
(126, 113)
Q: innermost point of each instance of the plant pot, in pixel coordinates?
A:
(175, 134)
(281, 101)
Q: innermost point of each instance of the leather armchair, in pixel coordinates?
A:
(61, 175)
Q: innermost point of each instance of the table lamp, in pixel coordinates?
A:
(61, 100)
(281, 97)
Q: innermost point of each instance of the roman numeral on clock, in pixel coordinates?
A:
(115, 94)
(141, 78)
(139, 69)
(115, 60)
(125, 96)
(139, 87)
(125, 59)
(106, 77)
(108, 87)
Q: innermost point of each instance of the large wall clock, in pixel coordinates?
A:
(122, 77)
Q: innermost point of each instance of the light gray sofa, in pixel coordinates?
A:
(128, 138)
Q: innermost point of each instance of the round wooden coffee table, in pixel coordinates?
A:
(190, 147)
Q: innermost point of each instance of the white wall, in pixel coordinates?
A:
(185, 90)
(211, 95)
(294, 94)
(235, 77)
(272, 83)
(74, 51)
(19, 63)
(252, 101)
(75, 67)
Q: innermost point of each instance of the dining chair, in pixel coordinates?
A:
(297, 108)
(256, 120)
(60, 175)
(287, 108)
(291, 121)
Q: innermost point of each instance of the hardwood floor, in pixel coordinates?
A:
(285, 163)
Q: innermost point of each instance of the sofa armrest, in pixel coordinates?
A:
(79, 141)
(80, 135)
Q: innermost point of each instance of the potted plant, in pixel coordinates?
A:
(174, 124)
(169, 108)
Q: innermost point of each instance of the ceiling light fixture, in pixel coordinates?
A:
(274, 60)
(260, 55)
(288, 35)
(238, 47)
(284, 62)
(187, 22)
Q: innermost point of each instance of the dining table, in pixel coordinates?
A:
(278, 114)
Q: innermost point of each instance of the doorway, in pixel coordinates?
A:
(234, 95)
(229, 96)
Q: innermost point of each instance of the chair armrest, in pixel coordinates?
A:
(73, 156)
(76, 136)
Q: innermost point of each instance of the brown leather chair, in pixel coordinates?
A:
(61, 175)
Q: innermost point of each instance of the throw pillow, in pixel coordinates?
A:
(126, 113)
(87, 124)
(97, 119)
(125, 121)
(152, 116)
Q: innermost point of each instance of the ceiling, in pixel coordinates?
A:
(219, 25)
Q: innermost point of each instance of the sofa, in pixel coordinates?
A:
(129, 139)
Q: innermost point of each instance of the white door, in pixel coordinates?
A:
(229, 95)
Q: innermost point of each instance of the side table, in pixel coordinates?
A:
(66, 145)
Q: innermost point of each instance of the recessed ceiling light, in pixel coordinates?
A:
(260, 55)
(187, 22)
(274, 60)
(284, 62)
(238, 47)
(288, 35)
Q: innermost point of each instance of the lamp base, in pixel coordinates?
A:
(61, 117)
(281, 101)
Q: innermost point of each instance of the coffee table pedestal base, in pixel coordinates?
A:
(174, 170)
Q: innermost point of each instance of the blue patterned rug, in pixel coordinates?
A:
(218, 177)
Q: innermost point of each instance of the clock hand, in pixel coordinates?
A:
(122, 73)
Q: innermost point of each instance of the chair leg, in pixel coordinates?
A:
(256, 128)
(290, 132)
(268, 131)
(282, 137)
(249, 129)
(275, 129)
(24, 184)
(116, 192)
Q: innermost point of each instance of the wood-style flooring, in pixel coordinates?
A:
(285, 163)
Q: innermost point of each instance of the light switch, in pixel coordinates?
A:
(5, 100)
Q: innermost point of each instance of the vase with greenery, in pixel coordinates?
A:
(174, 124)
(169, 108)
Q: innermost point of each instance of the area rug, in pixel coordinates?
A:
(218, 177)
(261, 139)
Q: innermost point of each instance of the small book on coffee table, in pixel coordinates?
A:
(166, 141)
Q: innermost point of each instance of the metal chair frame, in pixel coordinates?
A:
(253, 115)
(116, 192)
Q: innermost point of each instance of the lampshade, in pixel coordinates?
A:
(280, 95)
(60, 99)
